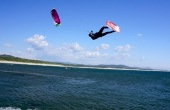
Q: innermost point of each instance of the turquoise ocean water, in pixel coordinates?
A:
(26, 87)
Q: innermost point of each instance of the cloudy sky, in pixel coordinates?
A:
(27, 30)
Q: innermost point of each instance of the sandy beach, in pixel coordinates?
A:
(57, 65)
(40, 64)
(24, 63)
(66, 66)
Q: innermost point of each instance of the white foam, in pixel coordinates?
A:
(13, 108)
(9, 108)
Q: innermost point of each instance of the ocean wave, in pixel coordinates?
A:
(28, 73)
(14, 108)
(9, 108)
(79, 81)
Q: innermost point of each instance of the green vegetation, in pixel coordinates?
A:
(23, 60)
(17, 59)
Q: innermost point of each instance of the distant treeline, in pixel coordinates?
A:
(5, 57)
(17, 59)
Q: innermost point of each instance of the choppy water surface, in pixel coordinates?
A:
(25, 87)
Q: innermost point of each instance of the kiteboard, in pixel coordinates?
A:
(113, 26)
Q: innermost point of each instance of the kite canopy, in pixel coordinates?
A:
(55, 17)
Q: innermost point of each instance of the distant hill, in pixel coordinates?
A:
(113, 66)
(5, 57)
(122, 66)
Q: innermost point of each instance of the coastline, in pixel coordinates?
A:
(24, 63)
(68, 66)
(57, 65)
(8, 59)
(40, 64)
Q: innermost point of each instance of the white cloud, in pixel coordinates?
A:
(23, 54)
(139, 35)
(9, 45)
(143, 58)
(37, 42)
(92, 54)
(66, 52)
(72, 47)
(124, 56)
(123, 48)
(30, 49)
(103, 47)
(118, 48)
(105, 55)
(69, 52)
(122, 52)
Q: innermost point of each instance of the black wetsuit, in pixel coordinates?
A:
(99, 34)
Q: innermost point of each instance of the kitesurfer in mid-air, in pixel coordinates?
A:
(99, 34)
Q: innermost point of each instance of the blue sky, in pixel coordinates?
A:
(27, 30)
